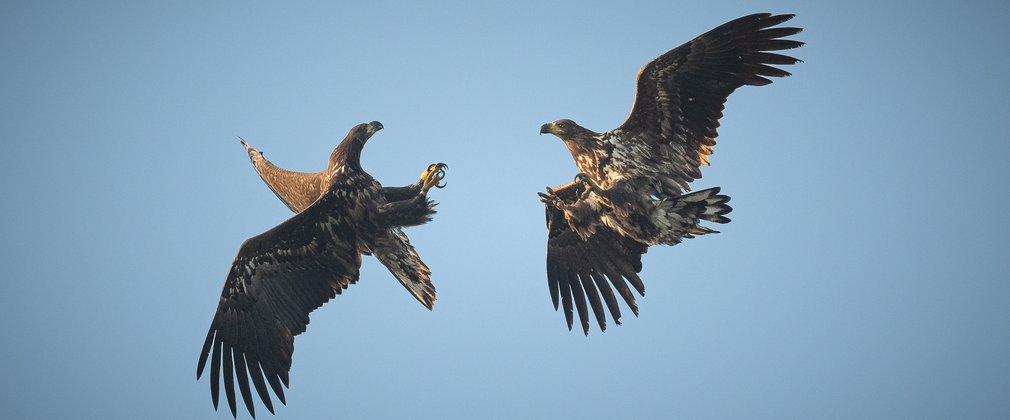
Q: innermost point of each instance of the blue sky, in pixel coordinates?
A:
(864, 274)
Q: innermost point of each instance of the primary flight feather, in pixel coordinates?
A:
(283, 274)
(632, 189)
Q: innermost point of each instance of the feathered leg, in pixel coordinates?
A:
(411, 212)
(429, 178)
(619, 198)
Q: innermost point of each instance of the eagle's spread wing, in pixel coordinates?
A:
(298, 190)
(578, 269)
(276, 280)
(680, 95)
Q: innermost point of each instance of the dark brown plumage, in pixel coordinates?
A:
(298, 190)
(633, 182)
(283, 274)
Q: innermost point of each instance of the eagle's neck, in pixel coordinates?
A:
(591, 154)
(346, 155)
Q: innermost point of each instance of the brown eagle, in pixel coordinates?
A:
(632, 190)
(283, 274)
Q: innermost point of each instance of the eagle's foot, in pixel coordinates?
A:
(588, 185)
(551, 199)
(432, 176)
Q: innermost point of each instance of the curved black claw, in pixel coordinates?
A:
(550, 199)
(587, 183)
(432, 177)
(441, 174)
(547, 199)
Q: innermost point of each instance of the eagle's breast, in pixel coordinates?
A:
(616, 159)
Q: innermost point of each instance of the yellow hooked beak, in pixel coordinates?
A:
(547, 128)
(373, 127)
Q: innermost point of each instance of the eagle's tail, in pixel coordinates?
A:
(395, 252)
(680, 217)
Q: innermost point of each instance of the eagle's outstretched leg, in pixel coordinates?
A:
(580, 214)
(429, 178)
(410, 212)
(432, 176)
(619, 197)
(588, 185)
(551, 198)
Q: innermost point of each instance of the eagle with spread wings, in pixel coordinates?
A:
(283, 274)
(632, 190)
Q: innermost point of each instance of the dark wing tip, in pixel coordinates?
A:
(772, 20)
(202, 363)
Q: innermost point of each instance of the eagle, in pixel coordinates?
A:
(283, 274)
(298, 190)
(632, 190)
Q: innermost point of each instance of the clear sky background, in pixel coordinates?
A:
(865, 273)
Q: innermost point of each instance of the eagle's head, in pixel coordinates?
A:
(566, 129)
(349, 150)
(359, 134)
(580, 140)
(362, 132)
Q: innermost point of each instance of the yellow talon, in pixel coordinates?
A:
(432, 176)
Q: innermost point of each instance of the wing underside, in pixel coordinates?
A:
(275, 281)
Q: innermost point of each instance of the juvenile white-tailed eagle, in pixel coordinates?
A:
(298, 190)
(632, 189)
(283, 274)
